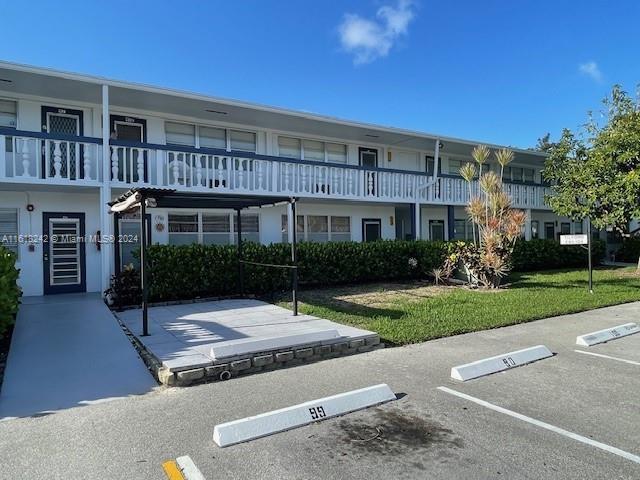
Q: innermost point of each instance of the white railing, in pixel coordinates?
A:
(32, 159)
(186, 170)
(45, 158)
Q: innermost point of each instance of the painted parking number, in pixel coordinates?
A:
(317, 413)
(614, 332)
(509, 362)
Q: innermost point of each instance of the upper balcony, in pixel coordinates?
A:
(42, 158)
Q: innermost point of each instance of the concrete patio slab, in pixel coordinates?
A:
(184, 337)
(67, 351)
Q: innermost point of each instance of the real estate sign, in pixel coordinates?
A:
(580, 239)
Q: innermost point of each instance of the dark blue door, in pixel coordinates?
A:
(64, 252)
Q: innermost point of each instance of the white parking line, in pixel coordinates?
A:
(609, 357)
(546, 426)
(189, 469)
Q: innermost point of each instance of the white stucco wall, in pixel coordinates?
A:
(30, 223)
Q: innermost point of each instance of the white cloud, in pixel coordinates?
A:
(591, 69)
(368, 39)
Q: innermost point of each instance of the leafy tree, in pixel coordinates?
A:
(596, 172)
(544, 143)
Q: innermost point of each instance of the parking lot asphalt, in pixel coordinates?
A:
(591, 404)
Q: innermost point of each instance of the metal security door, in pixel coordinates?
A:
(64, 253)
(62, 121)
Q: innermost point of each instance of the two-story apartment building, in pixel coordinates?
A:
(70, 143)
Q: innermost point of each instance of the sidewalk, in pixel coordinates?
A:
(67, 351)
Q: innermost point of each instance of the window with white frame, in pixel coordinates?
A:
(462, 229)
(250, 227)
(180, 134)
(8, 118)
(212, 137)
(187, 134)
(183, 228)
(314, 150)
(245, 141)
(9, 229)
(211, 228)
(454, 166)
(319, 228)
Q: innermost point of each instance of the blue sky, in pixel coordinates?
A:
(495, 71)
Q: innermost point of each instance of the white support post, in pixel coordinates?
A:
(3, 159)
(291, 223)
(106, 220)
(436, 159)
(527, 225)
(417, 221)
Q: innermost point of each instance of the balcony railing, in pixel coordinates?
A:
(40, 157)
(35, 157)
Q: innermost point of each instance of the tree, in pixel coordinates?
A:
(498, 225)
(595, 172)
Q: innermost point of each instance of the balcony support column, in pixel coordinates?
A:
(417, 221)
(106, 220)
(527, 225)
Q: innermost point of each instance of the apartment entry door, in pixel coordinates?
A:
(62, 121)
(132, 130)
(64, 253)
(371, 229)
(368, 158)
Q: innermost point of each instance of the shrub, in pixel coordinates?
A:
(630, 250)
(10, 292)
(125, 288)
(549, 254)
(191, 271)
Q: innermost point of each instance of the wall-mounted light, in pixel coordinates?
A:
(391, 220)
(30, 207)
(389, 155)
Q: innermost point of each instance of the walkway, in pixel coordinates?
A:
(68, 351)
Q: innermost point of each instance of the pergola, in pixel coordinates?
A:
(141, 198)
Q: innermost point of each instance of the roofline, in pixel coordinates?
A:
(243, 104)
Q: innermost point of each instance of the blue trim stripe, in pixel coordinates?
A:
(12, 132)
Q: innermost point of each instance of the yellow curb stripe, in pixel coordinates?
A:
(172, 471)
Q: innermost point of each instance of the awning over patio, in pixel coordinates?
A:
(147, 197)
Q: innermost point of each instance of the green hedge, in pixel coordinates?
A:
(549, 254)
(9, 291)
(630, 250)
(191, 271)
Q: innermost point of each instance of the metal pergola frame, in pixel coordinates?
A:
(146, 197)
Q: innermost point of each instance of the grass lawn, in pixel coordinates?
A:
(415, 312)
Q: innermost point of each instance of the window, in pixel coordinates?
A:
(454, 166)
(313, 150)
(535, 229)
(529, 175)
(549, 230)
(245, 141)
(577, 228)
(8, 118)
(436, 230)
(462, 229)
(289, 147)
(183, 229)
(211, 137)
(8, 113)
(180, 134)
(250, 227)
(216, 229)
(565, 228)
(340, 229)
(9, 229)
(430, 165)
(516, 174)
(319, 228)
(336, 153)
